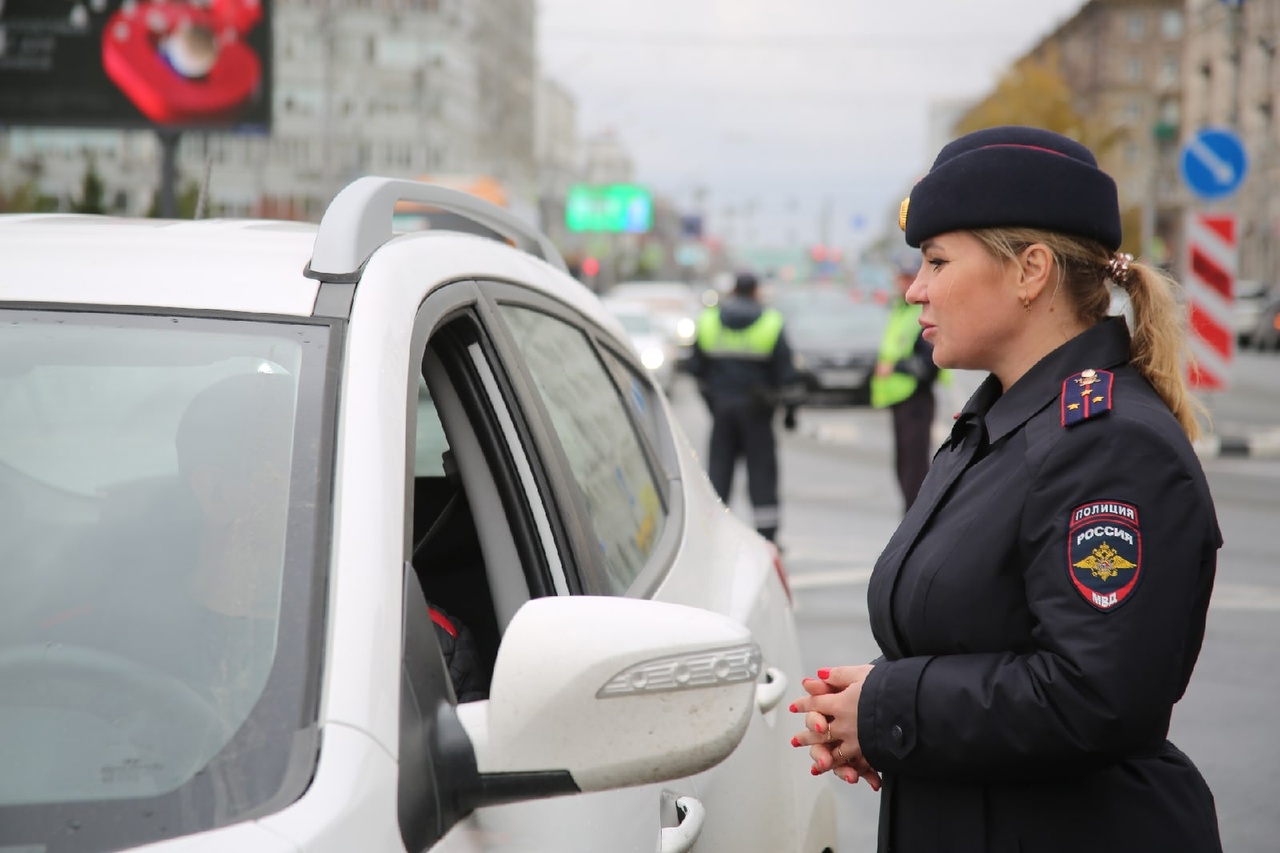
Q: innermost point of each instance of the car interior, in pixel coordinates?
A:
(468, 559)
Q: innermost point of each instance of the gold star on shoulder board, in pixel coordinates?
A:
(1073, 405)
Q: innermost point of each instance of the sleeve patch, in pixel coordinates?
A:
(1104, 552)
(1086, 395)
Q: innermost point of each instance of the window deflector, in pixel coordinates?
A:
(508, 590)
(516, 448)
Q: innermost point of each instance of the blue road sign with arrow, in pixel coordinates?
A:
(1214, 163)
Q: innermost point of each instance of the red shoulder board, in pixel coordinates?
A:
(1086, 395)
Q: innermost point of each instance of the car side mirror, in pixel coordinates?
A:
(599, 692)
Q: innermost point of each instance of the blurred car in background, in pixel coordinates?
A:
(1266, 330)
(673, 305)
(1247, 308)
(835, 337)
(658, 351)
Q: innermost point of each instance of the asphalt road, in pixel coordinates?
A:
(840, 505)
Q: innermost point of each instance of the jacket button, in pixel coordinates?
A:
(896, 734)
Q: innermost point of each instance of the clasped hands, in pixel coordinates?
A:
(831, 724)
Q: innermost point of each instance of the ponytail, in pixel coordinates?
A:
(1159, 347)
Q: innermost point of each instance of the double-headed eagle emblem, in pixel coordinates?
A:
(1105, 563)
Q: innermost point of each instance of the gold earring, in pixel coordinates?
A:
(1026, 304)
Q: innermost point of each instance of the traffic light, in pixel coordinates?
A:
(590, 266)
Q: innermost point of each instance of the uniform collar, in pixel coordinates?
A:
(1102, 347)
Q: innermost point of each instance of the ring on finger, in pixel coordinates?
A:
(828, 734)
(839, 755)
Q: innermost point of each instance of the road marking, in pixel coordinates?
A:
(840, 433)
(834, 577)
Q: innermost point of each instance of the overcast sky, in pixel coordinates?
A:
(788, 108)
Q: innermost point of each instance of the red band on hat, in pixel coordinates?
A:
(1030, 147)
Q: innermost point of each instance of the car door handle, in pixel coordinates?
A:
(681, 837)
(769, 692)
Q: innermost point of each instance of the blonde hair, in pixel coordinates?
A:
(1158, 346)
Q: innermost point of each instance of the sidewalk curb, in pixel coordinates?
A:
(1257, 445)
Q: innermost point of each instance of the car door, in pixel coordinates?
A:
(487, 527)
(620, 453)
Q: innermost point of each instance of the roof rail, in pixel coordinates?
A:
(358, 221)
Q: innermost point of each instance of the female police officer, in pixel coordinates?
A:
(1042, 604)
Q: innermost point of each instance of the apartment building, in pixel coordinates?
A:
(401, 88)
(558, 153)
(1233, 82)
(394, 87)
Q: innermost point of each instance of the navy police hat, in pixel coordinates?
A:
(1014, 177)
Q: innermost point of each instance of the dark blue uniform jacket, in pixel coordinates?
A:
(1040, 610)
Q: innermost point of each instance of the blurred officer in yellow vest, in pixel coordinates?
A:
(903, 381)
(743, 365)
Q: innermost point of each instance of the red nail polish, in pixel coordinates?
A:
(795, 741)
(794, 709)
(813, 771)
(818, 728)
(824, 674)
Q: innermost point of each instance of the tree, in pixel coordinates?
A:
(92, 191)
(1034, 93)
(26, 198)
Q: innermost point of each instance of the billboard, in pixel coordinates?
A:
(608, 208)
(198, 64)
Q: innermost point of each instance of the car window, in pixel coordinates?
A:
(640, 397)
(604, 452)
(159, 504)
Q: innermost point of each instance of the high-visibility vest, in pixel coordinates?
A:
(755, 342)
(898, 342)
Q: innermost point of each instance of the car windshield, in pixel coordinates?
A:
(160, 508)
(658, 297)
(830, 318)
(635, 324)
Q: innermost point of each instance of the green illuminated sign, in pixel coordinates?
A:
(609, 208)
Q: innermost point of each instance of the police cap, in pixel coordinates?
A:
(1014, 177)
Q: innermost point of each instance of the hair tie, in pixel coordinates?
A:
(1118, 269)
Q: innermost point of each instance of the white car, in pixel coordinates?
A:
(657, 350)
(674, 305)
(1247, 305)
(258, 478)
